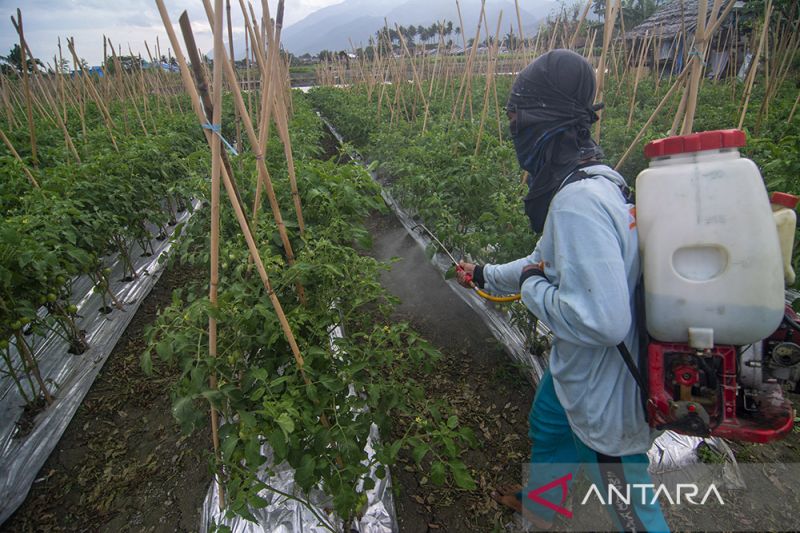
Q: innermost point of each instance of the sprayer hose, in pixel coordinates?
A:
(500, 299)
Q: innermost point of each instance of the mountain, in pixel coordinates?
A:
(332, 28)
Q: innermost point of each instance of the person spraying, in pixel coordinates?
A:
(579, 281)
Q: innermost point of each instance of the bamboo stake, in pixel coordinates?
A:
(678, 82)
(93, 92)
(580, 24)
(263, 173)
(601, 69)
(642, 55)
(240, 216)
(794, 108)
(754, 64)
(25, 169)
(521, 36)
(216, 167)
(45, 92)
(282, 117)
(12, 122)
(487, 91)
(27, 89)
(60, 78)
(418, 84)
(466, 79)
(126, 92)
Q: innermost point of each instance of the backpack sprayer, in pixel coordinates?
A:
(721, 343)
(718, 342)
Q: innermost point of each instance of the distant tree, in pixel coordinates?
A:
(14, 60)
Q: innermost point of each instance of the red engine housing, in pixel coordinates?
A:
(695, 392)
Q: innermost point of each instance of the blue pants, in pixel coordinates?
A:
(558, 454)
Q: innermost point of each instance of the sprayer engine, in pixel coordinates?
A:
(734, 392)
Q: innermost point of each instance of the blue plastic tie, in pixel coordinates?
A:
(217, 129)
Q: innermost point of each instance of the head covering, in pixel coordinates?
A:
(553, 98)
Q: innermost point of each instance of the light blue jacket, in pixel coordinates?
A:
(589, 247)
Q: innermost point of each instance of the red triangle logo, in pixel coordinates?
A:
(562, 482)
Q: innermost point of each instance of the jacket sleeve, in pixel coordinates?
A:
(590, 306)
(504, 279)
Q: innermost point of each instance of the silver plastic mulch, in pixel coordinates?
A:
(69, 377)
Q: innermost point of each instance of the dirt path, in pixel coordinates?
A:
(476, 378)
(122, 464)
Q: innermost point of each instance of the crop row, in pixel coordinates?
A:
(78, 219)
(317, 419)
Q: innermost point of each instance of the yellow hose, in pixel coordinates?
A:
(500, 299)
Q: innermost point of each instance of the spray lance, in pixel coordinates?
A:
(459, 268)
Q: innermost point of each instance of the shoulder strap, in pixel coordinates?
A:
(639, 372)
(581, 174)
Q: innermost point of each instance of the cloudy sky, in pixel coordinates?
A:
(123, 21)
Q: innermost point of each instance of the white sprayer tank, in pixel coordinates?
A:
(710, 251)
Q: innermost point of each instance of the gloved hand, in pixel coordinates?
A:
(530, 271)
(468, 274)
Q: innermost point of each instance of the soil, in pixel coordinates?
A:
(122, 464)
(475, 377)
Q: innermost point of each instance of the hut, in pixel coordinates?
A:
(671, 31)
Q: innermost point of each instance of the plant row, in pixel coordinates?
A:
(317, 419)
(79, 219)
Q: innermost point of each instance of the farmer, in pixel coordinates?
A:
(580, 282)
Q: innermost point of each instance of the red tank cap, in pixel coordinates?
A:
(784, 199)
(695, 142)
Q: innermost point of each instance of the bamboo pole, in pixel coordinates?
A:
(256, 145)
(235, 80)
(466, 79)
(12, 122)
(417, 83)
(642, 55)
(608, 31)
(794, 108)
(25, 169)
(60, 78)
(240, 216)
(754, 64)
(45, 92)
(88, 83)
(27, 90)
(678, 82)
(216, 166)
(126, 93)
(584, 13)
(488, 91)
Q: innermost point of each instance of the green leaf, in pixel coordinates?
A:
(229, 446)
(394, 449)
(286, 423)
(248, 419)
(452, 422)
(437, 473)
(305, 472)
(419, 452)
(252, 453)
(164, 350)
(255, 501)
(462, 476)
(147, 363)
(451, 273)
(277, 440)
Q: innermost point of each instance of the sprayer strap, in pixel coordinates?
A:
(626, 356)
